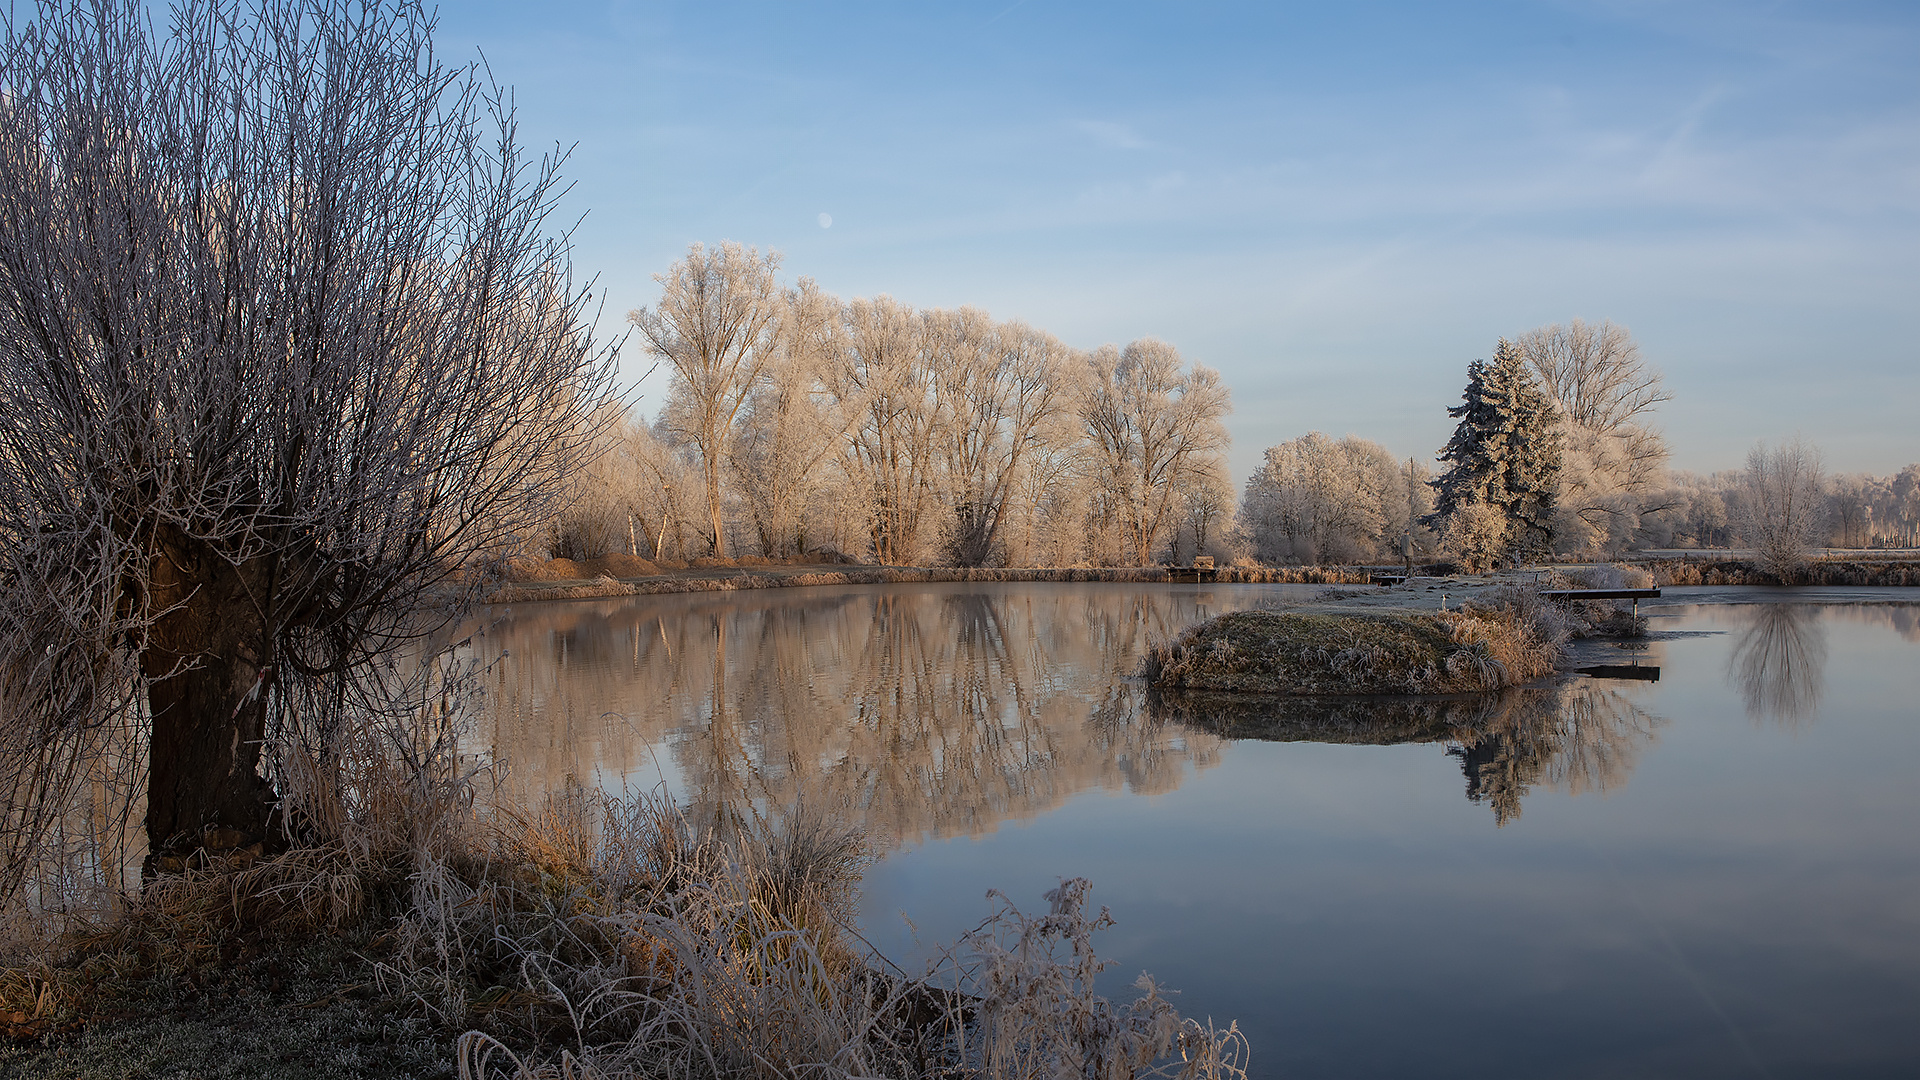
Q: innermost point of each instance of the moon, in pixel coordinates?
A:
(826, 221)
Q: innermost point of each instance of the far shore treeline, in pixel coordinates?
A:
(801, 427)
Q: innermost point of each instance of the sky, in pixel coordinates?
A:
(1338, 206)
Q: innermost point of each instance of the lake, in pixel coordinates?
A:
(1712, 874)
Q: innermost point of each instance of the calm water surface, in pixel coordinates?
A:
(1712, 874)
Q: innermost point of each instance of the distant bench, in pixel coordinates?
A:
(1202, 570)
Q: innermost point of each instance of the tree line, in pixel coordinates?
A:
(798, 425)
(1556, 454)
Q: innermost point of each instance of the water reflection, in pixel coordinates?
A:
(1577, 737)
(923, 712)
(1779, 662)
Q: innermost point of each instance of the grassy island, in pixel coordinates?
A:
(1384, 652)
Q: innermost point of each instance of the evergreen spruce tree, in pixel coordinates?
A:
(1505, 452)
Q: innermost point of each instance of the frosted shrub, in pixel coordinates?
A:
(632, 945)
(1036, 1014)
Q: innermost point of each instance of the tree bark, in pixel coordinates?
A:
(713, 502)
(208, 660)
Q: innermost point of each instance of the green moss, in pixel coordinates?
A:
(1373, 653)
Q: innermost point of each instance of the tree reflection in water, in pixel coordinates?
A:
(915, 713)
(945, 711)
(1576, 737)
(1779, 663)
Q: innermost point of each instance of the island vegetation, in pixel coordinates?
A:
(1302, 653)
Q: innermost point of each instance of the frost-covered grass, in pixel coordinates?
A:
(594, 937)
(1481, 648)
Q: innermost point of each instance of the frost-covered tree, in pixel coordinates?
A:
(1151, 422)
(717, 325)
(1903, 507)
(602, 508)
(998, 385)
(1053, 495)
(1505, 451)
(792, 427)
(284, 342)
(1612, 458)
(1783, 509)
(1207, 524)
(1316, 499)
(1477, 534)
(1849, 510)
(882, 375)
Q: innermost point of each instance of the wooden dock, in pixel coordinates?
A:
(1600, 594)
(1634, 672)
(1635, 595)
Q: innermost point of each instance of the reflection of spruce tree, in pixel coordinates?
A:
(1505, 452)
(1502, 761)
(1779, 662)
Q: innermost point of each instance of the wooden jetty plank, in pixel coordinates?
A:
(1636, 672)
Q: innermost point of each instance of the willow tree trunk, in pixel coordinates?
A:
(713, 502)
(207, 661)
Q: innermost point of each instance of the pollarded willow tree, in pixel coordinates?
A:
(284, 339)
(1505, 452)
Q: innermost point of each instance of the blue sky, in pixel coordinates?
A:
(1336, 205)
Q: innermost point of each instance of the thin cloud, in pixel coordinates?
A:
(1114, 136)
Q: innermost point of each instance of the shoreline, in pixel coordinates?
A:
(1665, 569)
(730, 579)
